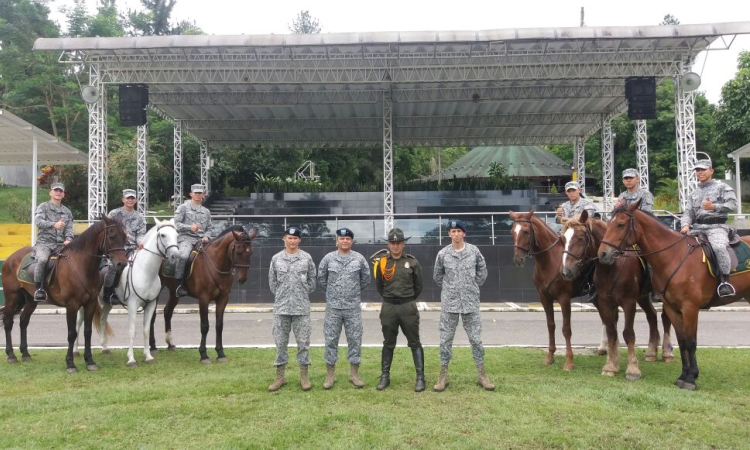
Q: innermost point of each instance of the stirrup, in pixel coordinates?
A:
(40, 299)
(724, 283)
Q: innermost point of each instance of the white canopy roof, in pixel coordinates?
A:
(16, 140)
(494, 87)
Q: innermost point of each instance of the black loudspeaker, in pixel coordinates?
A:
(133, 102)
(641, 95)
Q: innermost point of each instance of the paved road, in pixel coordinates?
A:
(499, 329)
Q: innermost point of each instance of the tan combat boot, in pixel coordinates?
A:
(482, 379)
(330, 377)
(354, 377)
(279, 381)
(304, 380)
(442, 382)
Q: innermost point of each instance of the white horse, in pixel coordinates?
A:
(140, 285)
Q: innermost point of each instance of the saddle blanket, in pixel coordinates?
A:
(169, 267)
(740, 256)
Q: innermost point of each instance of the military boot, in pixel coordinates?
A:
(304, 379)
(181, 290)
(40, 294)
(418, 355)
(725, 289)
(442, 382)
(385, 376)
(354, 376)
(330, 376)
(110, 296)
(280, 380)
(482, 379)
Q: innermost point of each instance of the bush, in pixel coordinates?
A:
(20, 210)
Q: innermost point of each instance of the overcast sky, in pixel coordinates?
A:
(266, 16)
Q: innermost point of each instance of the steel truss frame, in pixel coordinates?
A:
(178, 196)
(142, 168)
(205, 180)
(641, 142)
(579, 156)
(97, 148)
(607, 164)
(685, 134)
(387, 165)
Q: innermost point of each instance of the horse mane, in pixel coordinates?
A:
(79, 243)
(230, 228)
(623, 209)
(576, 224)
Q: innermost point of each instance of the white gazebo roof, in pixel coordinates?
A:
(16, 144)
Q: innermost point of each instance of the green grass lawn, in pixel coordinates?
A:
(179, 403)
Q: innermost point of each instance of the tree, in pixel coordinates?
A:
(733, 112)
(669, 19)
(305, 24)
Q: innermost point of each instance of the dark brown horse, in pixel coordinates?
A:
(211, 280)
(622, 284)
(532, 237)
(679, 275)
(75, 284)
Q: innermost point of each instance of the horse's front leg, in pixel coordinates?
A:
(633, 372)
(148, 314)
(71, 315)
(567, 334)
(644, 301)
(168, 311)
(549, 312)
(221, 305)
(132, 313)
(106, 308)
(28, 310)
(667, 354)
(608, 313)
(676, 318)
(203, 307)
(88, 323)
(603, 342)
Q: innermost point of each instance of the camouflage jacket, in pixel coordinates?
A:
(721, 195)
(343, 277)
(135, 225)
(45, 216)
(571, 210)
(406, 278)
(187, 214)
(291, 278)
(460, 274)
(647, 199)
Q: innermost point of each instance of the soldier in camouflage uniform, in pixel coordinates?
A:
(343, 274)
(634, 192)
(135, 227)
(707, 213)
(459, 271)
(576, 205)
(193, 223)
(398, 277)
(291, 278)
(54, 228)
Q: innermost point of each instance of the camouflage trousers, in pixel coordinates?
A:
(351, 320)
(473, 326)
(41, 256)
(282, 325)
(718, 236)
(184, 248)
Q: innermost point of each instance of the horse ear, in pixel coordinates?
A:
(531, 213)
(512, 215)
(564, 220)
(157, 222)
(584, 216)
(634, 206)
(252, 234)
(237, 235)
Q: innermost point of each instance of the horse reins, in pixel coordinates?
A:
(104, 255)
(533, 241)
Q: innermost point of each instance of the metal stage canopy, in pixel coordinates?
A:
(362, 90)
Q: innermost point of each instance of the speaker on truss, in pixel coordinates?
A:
(133, 103)
(641, 95)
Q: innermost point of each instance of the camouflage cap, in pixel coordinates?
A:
(572, 185)
(630, 173)
(703, 164)
(198, 188)
(126, 193)
(57, 185)
(396, 235)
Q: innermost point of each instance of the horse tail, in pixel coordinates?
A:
(97, 322)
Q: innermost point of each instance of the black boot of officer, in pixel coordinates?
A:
(725, 289)
(418, 355)
(181, 289)
(385, 376)
(40, 294)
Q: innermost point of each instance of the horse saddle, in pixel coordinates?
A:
(739, 255)
(169, 267)
(28, 264)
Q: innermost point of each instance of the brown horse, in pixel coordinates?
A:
(75, 284)
(679, 275)
(533, 237)
(211, 280)
(622, 284)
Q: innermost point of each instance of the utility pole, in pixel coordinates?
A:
(583, 24)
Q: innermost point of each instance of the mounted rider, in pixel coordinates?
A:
(135, 227)
(706, 212)
(193, 222)
(54, 229)
(633, 192)
(575, 205)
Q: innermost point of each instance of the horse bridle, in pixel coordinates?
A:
(629, 247)
(162, 254)
(233, 264)
(581, 257)
(533, 241)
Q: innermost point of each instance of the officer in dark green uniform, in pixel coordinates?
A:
(399, 280)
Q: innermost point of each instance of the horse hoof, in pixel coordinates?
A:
(600, 352)
(12, 360)
(688, 386)
(206, 361)
(679, 383)
(607, 373)
(27, 359)
(568, 367)
(632, 377)
(92, 368)
(153, 350)
(76, 354)
(549, 361)
(72, 370)
(172, 348)
(668, 359)
(222, 360)
(106, 351)
(132, 364)
(149, 361)
(650, 358)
